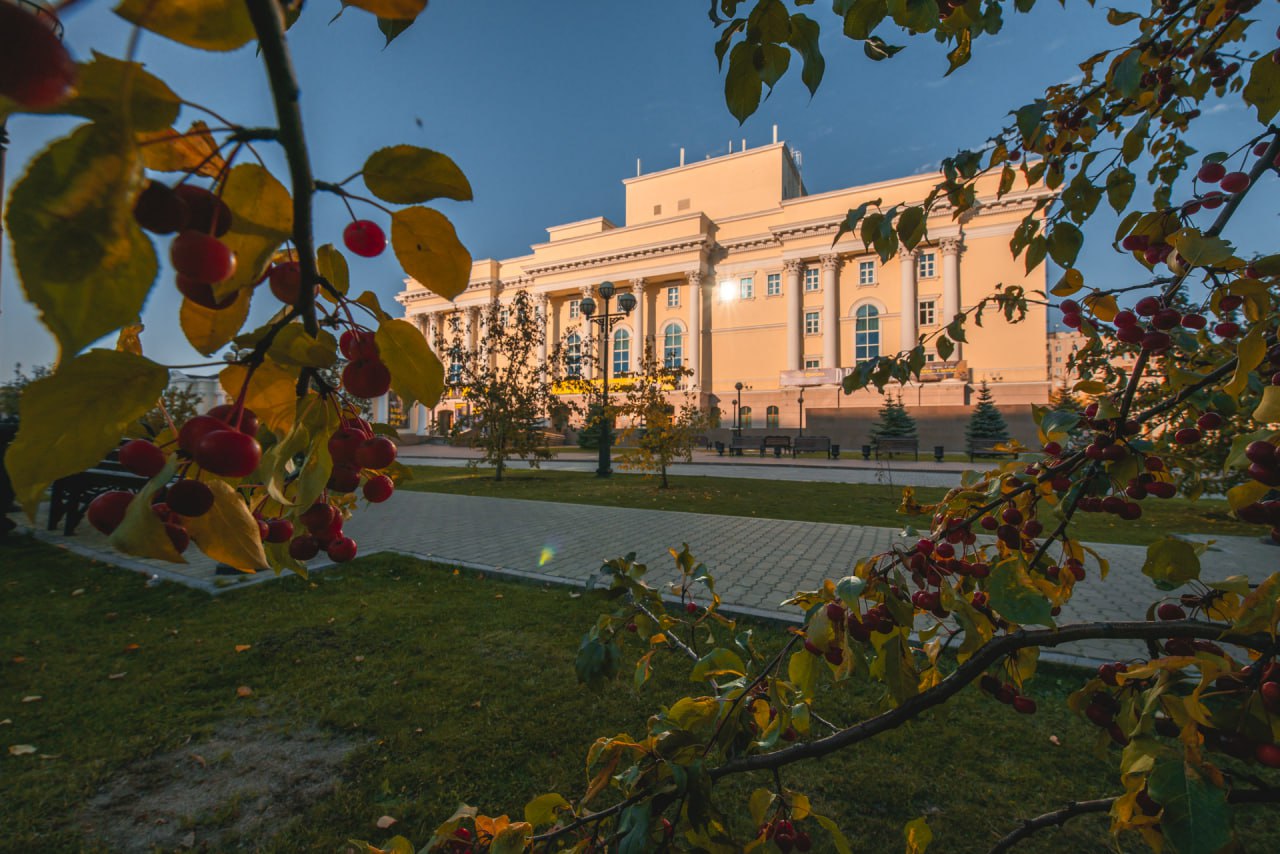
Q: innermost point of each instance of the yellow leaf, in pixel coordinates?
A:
(1103, 306)
(244, 691)
(918, 835)
(142, 533)
(1090, 387)
(108, 388)
(331, 264)
(128, 340)
(429, 250)
(209, 329)
(169, 150)
(228, 532)
(21, 749)
(399, 10)
(242, 647)
(1249, 355)
(204, 24)
(1072, 280)
(294, 347)
(1268, 411)
(416, 373)
(261, 220)
(1246, 493)
(542, 809)
(271, 394)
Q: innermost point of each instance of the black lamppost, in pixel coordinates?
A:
(802, 410)
(606, 321)
(737, 409)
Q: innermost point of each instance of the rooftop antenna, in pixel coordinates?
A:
(637, 167)
(775, 134)
(731, 146)
(682, 156)
(744, 145)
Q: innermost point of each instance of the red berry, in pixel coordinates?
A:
(189, 498)
(1265, 473)
(1268, 754)
(1024, 705)
(1147, 306)
(1156, 342)
(1072, 321)
(341, 550)
(343, 445)
(318, 517)
(1271, 696)
(196, 429)
(160, 210)
(202, 257)
(1125, 318)
(228, 453)
(344, 479)
(1136, 243)
(142, 458)
(379, 489)
(201, 293)
(1235, 182)
(226, 413)
(376, 453)
(1227, 329)
(1166, 318)
(35, 69)
(1230, 302)
(1211, 173)
(206, 213)
(1193, 321)
(364, 238)
(106, 512)
(366, 378)
(1070, 306)
(264, 530)
(286, 281)
(358, 344)
(1260, 452)
(1213, 200)
(1170, 611)
(1209, 421)
(1053, 449)
(304, 547)
(1187, 436)
(691, 607)
(279, 531)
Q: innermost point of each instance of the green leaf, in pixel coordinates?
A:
(400, 10)
(945, 347)
(208, 329)
(960, 54)
(1117, 18)
(1263, 89)
(596, 662)
(542, 809)
(1120, 185)
(391, 28)
(1126, 72)
(1201, 251)
(912, 226)
(204, 24)
(100, 89)
(332, 265)
(108, 389)
(511, 840)
(1249, 354)
(294, 347)
(804, 40)
(918, 835)
(918, 15)
(1172, 561)
(862, 18)
(718, 662)
(141, 532)
(849, 589)
(429, 250)
(1064, 243)
(838, 840)
(416, 373)
(228, 533)
(1036, 248)
(82, 260)
(407, 175)
(877, 49)
(1015, 598)
(1196, 818)
(742, 84)
(261, 221)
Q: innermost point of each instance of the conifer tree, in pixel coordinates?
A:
(986, 423)
(894, 421)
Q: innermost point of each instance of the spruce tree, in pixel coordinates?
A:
(1062, 398)
(894, 421)
(986, 423)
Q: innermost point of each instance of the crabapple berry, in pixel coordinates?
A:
(286, 281)
(142, 458)
(228, 453)
(1235, 182)
(189, 498)
(201, 293)
(341, 550)
(178, 536)
(206, 213)
(376, 453)
(366, 378)
(196, 429)
(304, 547)
(160, 210)
(279, 531)
(378, 489)
(365, 238)
(225, 414)
(106, 512)
(202, 257)
(35, 69)
(1212, 173)
(358, 344)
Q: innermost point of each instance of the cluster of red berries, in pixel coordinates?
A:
(878, 618)
(1103, 707)
(199, 217)
(1008, 694)
(365, 375)
(356, 453)
(786, 835)
(35, 69)
(323, 524)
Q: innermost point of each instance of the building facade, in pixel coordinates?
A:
(739, 278)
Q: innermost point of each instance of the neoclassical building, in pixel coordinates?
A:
(738, 277)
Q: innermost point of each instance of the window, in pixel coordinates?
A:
(928, 312)
(657, 209)
(504, 317)
(455, 365)
(810, 278)
(773, 285)
(812, 323)
(621, 352)
(673, 296)
(573, 354)
(744, 417)
(747, 287)
(672, 346)
(771, 418)
(924, 265)
(866, 272)
(682, 205)
(573, 308)
(866, 333)
(813, 363)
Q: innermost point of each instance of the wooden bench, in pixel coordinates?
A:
(987, 448)
(738, 444)
(811, 443)
(897, 445)
(69, 496)
(777, 443)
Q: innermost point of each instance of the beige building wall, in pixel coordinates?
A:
(737, 276)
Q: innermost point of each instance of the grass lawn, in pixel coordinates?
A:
(410, 688)
(854, 504)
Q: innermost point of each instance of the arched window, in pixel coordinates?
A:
(621, 352)
(866, 333)
(771, 418)
(455, 364)
(672, 346)
(744, 416)
(573, 355)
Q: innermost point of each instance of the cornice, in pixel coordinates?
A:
(668, 247)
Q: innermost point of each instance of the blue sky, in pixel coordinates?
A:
(547, 105)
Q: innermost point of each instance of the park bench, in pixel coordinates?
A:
(777, 443)
(738, 444)
(897, 445)
(69, 496)
(987, 448)
(804, 444)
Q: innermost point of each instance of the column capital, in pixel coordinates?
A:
(695, 278)
(542, 299)
(793, 265)
(637, 285)
(586, 291)
(950, 245)
(906, 254)
(830, 262)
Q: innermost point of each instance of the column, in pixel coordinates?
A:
(795, 322)
(950, 278)
(540, 306)
(381, 409)
(589, 352)
(433, 332)
(642, 333)
(910, 301)
(694, 357)
(472, 327)
(421, 412)
(830, 311)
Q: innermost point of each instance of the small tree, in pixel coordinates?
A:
(894, 421)
(11, 391)
(986, 421)
(507, 383)
(662, 432)
(1063, 398)
(179, 404)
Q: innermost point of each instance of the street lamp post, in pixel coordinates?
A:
(802, 411)
(737, 409)
(606, 321)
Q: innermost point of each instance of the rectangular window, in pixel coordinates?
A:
(773, 285)
(866, 272)
(810, 278)
(928, 312)
(812, 324)
(813, 363)
(573, 308)
(925, 265)
(747, 287)
(673, 296)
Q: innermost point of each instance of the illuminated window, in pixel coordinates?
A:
(747, 287)
(672, 346)
(928, 312)
(771, 418)
(573, 354)
(744, 416)
(621, 351)
(866, 333)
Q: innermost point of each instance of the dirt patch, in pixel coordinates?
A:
(209, 795)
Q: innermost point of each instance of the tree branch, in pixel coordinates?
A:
(268, 23)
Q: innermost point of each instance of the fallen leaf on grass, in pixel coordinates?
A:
(244, 691)
(50, 755)
(200, 759)
(132, 647)
(119, 675)
(476, 704)
(34, 698)
(575, 595)
(359, 658)
(78, 591)
(21, 749)
(19, 659)
(6, 721)
(1054, 740)
(189, 841)
(242, 647)
(385, 822)
(497, 596)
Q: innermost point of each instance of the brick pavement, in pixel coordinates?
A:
(757, 562)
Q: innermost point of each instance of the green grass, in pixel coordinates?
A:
(465, 693)
(851, 504)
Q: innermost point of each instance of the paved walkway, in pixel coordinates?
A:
(757, 562)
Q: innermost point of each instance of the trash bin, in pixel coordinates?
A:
(777, 451)
(835, 452)
(937, 453)
(720, 448)
(866, 452)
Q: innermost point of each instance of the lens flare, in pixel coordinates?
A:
(545, 557)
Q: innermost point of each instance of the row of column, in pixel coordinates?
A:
(908, 259)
